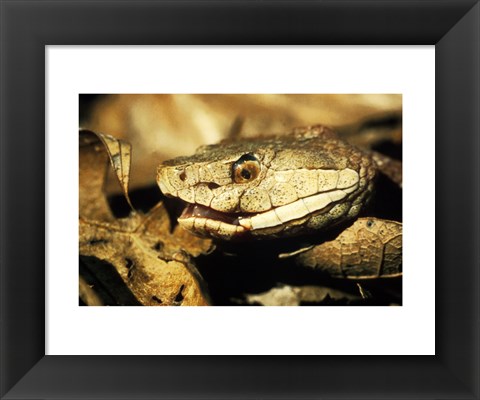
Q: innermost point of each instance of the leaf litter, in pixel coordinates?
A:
(154, 263)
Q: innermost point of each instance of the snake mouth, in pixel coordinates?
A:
(200, 211)
(205, 220)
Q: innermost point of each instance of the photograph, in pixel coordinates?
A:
(240, 199)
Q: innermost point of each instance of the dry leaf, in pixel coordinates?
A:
(156, 272)
(389, 167)
(87, 294)
(287, 295)
(134, 260)
(370, 248)
(93, 165)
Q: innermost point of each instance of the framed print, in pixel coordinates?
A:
(36, 36)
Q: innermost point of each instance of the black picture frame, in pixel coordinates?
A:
(453, 26)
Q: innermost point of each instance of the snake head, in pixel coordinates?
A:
(270, 186)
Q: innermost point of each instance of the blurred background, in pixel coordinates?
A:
(163, 126)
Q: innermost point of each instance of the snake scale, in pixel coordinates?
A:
(275, 187)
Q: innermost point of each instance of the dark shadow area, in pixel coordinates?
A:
(108, 285)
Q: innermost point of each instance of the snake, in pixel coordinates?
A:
(266, 187)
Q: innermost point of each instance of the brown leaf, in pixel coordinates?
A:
(153, 266)
(287, 295)
(87, 294)
(134, 260)
(370, 248)
(389, 167)
(92, 171)
(155, 227)
(119, 152)
(373, 130)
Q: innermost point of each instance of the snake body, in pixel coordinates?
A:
(269, 187)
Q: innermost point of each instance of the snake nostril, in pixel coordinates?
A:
(213, 185)
(182, 176)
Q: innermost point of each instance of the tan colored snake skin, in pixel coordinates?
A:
(270, 187)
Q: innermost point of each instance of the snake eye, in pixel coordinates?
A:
(245, 169)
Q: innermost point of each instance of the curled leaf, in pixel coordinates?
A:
(93, 164)
(118, 151)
